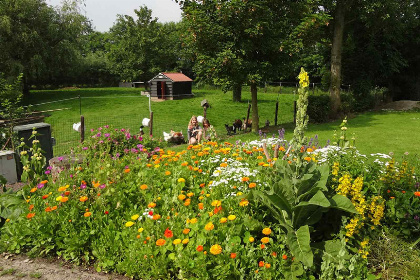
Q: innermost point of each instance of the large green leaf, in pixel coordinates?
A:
(343, 203)
(309, 212)
(299, 243)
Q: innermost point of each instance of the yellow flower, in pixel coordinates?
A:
(151, 205)
(193, 220)
(266, 231)
(181, 196)
(135, 217)
(231, 217)
(181, 180)
(215, 249)
(216, 203)
(143, 187)
(129, 224)
(190, 194)
(176, 241)
(243, 202)
(209, 226)
(185, 241)
(223, 220)
(265, 240)
(251, 239)
(140, 230)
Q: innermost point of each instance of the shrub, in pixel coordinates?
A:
(318, 108)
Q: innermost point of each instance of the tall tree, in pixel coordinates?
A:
(240, 41)
(39, 41)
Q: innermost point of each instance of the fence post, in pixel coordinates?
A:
(151, 124)
(80, 104)
(247, 117)
(82, 129)
(294, 111)
(275, 116)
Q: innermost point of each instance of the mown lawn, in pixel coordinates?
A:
(375, 132)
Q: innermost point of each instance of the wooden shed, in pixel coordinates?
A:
(169, 86)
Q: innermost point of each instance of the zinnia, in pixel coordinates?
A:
(216, 249)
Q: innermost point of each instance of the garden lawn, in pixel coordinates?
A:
(375, 132)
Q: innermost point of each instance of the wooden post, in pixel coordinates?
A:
(82, 129)
(275, 115)
(294, 111)
(205, 112)
(247, 117)
(151, 125)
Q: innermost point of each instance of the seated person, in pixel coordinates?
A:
(209, 133)
(194, 131)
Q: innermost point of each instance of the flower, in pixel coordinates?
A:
(200, 206)
(135, 217)
(209, 226)
(33, 190)
(193, 220)
(127, 170)
(30, 215)
(223, 220)
(140, 230)
(243, 202)
(245, 179)
(181, 196)
(83, 198)
(168, 233)
(185, 241)
(266, 231)
(200, 248)
(231, 217)
(87, 214)
(176, 241)
(265, 240)
(186, 231)
(261, 264)
(252, 185)
(156, 217)
(129, 224)
(181, 180)
(417, 194)
(267, 265)
(160, 242)
(284, 257)
(143, 187)
(216, 203)
(215, 249)
(151, 205)
(251, 239)
(232, 255)
(64, 199)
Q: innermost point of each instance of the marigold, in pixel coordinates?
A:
(186, 231)
(187, 202)
(232, 255)
(209, 226)
(251, 239)
(31, 207)
(48, 209)
(151, 205)
(87, 214)
(127, 170)
(181, 180)
(33, 190)
(143, 187)
(262, 246)
(245, 179)
(64, 199)
(265, 240)
(243, 202)
(140, 230)
(417, 194)
(200, 206)
(185, 241)
(128, 224)
(252, 185)
(45, 196)
(167, 173)
(181, 196)
(266, 231)
(54, 207)
(83, 198)
(216, 203)
(160, 242)
(176, 241)
(261, 264)
(62, 189)
(190, 194)
(223, 220)
(267, 265)
(156, 217)
(200, 248)
(215, 249)
(30, 215)
(284, 257)
(193, 220)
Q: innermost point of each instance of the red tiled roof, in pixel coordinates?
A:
(177, 77)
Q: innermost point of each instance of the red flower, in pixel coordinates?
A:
(200, 248)
(217, 209)
(417, 194)
(150, 213)
(232, 255)
(284, 257)
(168, 233)
(106, 212)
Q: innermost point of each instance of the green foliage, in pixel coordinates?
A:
(318, 108)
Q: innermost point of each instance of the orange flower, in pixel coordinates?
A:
(417, 194)
(200, 248)
(307, 158)
(252, 185)
(44, 182)
(261, 264)
(33, 190)
(30, 215)
(266, 231)
(87, 214)
(223, 164)
(265, 240)
(143, 187)
(284, 257)
(160, 242)
(245, 179)
(126, 170)
(200, 206)
(243, 202)
(167, 173)
(262, 246)
(156, 217)
(232, 255)
(168, 233)
(67, 193)
(217, 209)
(267, 265)
(215, 249)
(54, 207)
(151, 205)
(186, 231)
(274, 254)
(31, 207)
(45, 196)
(83, 198)
(187, 202)
(48, 209)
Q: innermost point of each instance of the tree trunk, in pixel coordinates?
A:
(336, 51)
(26, 86)
(237, 92)
(254, 103)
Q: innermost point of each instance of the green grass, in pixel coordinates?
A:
(375, 132)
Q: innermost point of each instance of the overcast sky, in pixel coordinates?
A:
(103, 13)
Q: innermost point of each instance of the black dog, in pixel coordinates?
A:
(230, 129)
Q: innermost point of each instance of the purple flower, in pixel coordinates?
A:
(140, 138)
(85, 148)
(102, 186)
(71, 175)
(100, 142)
(416, 218)
(106, 134)
(98, 134)
(134, 150)
(92, 130)
(122, 129)
(82, 186)
(99, 129)
(106, 126)
(60, 158)
(47, 172)
(40, 186)
(49, 167)
(140, 146)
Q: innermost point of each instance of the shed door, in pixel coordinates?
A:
(163, 88)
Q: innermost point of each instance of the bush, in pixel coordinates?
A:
(318, 108)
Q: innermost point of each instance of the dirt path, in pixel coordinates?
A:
(14, 267)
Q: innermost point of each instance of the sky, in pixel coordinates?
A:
(103, 13)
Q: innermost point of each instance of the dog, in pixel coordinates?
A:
(246, 125)
(230, 129)
(174, 137)
(237, 124)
